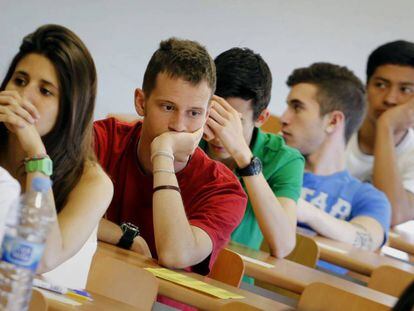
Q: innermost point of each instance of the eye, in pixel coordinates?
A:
(296, 107)
(194, 113)
(380, 85)
(45, 91)
(19, 81)
(167, 107)
(407, 90)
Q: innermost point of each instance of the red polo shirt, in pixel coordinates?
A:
(213, 197)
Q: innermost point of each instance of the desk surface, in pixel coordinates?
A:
(354, 259)
(295, 277)
(403, 241)
(99, 303)
(187, 295)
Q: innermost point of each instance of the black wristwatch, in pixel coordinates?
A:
(254, 168)
(129, 232)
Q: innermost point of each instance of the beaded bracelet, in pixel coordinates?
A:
(163, 170)
(162, 153)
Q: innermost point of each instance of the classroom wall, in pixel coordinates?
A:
(122, 35)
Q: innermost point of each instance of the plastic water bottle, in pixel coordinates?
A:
(27, 226)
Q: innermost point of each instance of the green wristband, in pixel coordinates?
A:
(43, 165)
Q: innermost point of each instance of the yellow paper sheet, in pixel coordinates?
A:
(187, 281)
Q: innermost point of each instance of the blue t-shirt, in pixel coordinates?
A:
(345, 197)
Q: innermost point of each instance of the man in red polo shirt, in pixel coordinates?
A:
(170, 200)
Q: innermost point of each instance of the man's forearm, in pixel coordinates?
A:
(277, 222)
(339, 230)
(386, 176)
(175, 242)
(109, 232)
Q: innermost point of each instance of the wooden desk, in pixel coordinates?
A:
(295, 277)
(354, 259)
(99, 303)
(187, 295)
(402, 241)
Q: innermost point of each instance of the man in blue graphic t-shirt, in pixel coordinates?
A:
(326, 105)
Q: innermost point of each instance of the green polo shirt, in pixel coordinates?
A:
(283, 170)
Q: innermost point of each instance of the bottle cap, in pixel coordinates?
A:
(40, 184)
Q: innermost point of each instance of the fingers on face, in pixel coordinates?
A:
(208, 133)
(12, 101)
(8, 117)
(218, 117)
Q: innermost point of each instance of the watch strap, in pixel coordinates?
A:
(129, 232)
(43, 165)
(254, 168)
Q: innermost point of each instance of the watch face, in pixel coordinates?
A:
(130, 229)
(256, 165)
(254, 168)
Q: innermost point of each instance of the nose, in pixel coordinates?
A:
(29, 93)
(285, 117)
(177, 123)
(391, 97)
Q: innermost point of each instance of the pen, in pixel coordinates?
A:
(54, 288)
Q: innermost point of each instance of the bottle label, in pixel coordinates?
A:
(21, 253)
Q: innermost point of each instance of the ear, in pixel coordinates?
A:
(140, 102)
(262, 118)
(336, 120)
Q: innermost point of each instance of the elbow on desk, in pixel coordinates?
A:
(285, 248)
(173, 260)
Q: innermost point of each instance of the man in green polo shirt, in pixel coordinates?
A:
(270, 171)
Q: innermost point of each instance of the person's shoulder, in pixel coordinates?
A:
(275, 143)
(367, 191)
(7, 181)
(111, 134)
(94, 177)
(114, 125)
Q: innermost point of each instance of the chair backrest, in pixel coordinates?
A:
(323, 297)
(228, 268)
(238, 306)
(272, 125)
(390, 280)
(38, 301)
(122, 282)
(306, 251)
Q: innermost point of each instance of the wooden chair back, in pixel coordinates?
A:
(272, 125)
(228, 268)
(390, 280)
(38, 301)
(324, 297)
(238, 306)
(122, 282)
(306, 252)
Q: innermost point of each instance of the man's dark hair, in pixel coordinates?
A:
(338, 90)
(183, 59)
(244, 74)
(393, 53)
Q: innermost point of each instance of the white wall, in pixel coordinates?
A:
(122, 35)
